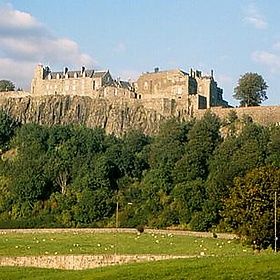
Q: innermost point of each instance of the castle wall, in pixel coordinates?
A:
(166, 84)
(14, 94)
(265, 115)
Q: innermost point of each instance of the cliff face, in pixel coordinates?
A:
(115, 116)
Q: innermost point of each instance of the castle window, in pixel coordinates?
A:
(146, 85)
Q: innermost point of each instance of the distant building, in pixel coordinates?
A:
(169, 92)
(188, 90)
(84, 82)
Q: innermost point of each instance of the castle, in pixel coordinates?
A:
(94, 99)
(165, 91)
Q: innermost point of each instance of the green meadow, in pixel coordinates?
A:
(16, 244)
(223, 258)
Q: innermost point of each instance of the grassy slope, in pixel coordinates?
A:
(237, 267)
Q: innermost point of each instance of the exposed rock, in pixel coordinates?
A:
(115, 116)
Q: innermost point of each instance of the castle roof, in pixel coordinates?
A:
(173, 71)
(78, 74)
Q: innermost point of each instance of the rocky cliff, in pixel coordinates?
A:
(115, 116)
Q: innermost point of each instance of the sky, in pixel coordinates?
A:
(130, 37)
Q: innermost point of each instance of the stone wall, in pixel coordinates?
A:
(119, 230)
(78, 262)
(264, 115)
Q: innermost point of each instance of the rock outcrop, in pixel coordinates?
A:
(115, 116)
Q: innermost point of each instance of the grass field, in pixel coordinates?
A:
(16, 244)
(225, 259)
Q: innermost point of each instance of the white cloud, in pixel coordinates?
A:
(120, 48)
(224, 79)
(24, 42)
(267, 58)
(254, 18)
(20, 72)
(129, 74)
(276, 46)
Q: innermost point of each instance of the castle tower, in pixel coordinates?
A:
(37, 81)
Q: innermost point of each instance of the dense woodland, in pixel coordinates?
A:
(198, 175)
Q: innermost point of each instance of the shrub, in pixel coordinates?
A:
(140, 228)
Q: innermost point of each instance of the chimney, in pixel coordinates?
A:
(65, 70)
(83, 70)
(212, 73)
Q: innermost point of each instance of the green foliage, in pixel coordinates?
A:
(249, 210)
(188, 198)
(6, 85)
(251, 90)
(203, 137)
(273, 147)
(69, 175)
(7, 127)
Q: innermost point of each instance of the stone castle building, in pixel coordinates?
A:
(95, 99)
(165, 91)
(188, 90)
(84, 82)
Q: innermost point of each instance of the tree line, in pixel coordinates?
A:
(198, 175)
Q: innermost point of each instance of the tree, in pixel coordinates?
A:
(203, 137)
(249, 210)
(7, 126)
(6, 85)
(251, 90)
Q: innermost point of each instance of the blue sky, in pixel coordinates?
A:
(129, 37)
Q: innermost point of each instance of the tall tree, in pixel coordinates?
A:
(249, 210)
(203, 138)
(251, 90)
(6, 85)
